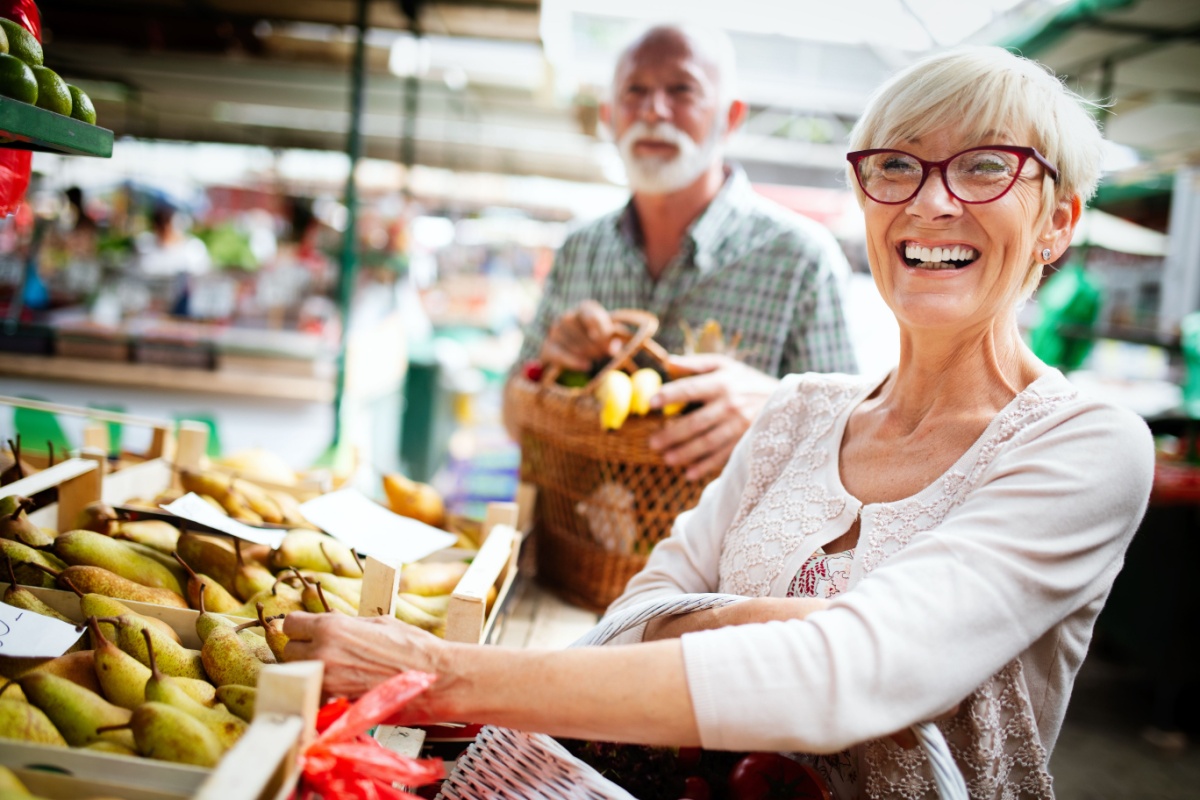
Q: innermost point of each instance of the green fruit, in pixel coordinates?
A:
(3, 41)
(82, 108)
(21, 43)
(17, 80)
(53, 94)
(573, 378)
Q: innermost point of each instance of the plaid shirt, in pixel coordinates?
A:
(756, 268)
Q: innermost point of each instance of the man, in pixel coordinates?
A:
(694, 243)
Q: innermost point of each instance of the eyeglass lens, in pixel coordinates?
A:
(974, 176)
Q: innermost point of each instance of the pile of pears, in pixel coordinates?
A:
(130, 685)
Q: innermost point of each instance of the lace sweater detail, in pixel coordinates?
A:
(793, 492)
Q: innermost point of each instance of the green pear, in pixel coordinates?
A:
(123, 678)
(317, 602)
(91, 549)
(79, 668)
(349, 589)
(162, 688)
(26, 562)
(105, 746)
(273, 629)
(75, 711)
(279, 599)
(213, 556)
(156, 533)
(173, 658)
(89, 579)
(306, 549)
(255, 643)
(227, 658)
(407, 612)
(437, 606)
(216, 596)
(20, 597)
(103, 606)
(169, 734)
(26, 723)
(15, 524)
(238, 699)
(250, 577)
(97, 516)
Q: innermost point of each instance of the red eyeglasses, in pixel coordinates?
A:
(977, 175)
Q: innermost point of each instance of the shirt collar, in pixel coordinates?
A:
(710, 229)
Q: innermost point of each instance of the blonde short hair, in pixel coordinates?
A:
(980, 91)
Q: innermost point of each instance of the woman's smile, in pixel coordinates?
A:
(924, 255)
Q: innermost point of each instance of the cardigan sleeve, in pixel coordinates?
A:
(687, 561)
(1042, 535)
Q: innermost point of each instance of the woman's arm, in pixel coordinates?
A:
(745, 612)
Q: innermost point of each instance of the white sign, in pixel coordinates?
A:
(359, 522)
(192, 506)
(30, 635)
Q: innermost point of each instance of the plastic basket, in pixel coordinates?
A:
(511, 765)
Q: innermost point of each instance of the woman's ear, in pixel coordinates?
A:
(1060, 228)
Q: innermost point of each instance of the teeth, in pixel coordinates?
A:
(939, 255)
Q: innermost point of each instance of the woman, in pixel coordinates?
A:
(938, 540)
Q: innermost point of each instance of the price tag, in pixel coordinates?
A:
(361, 523)
(405, 741)
(192, 506)
(24, 634)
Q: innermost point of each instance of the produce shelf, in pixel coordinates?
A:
(35, 128)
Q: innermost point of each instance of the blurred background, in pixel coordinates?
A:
(324, 223)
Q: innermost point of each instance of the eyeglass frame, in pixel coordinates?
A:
(1025, 153)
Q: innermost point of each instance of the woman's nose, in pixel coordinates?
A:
(933, 199)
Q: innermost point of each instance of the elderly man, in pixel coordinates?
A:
(695, 243)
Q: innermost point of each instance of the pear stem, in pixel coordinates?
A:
(191, 572)
(254, 623)
(16, 452)
(303, 580)
(154, 671)
(72, 587)
(51, 573)
(99, 639)
(259, 608)
(12, 572)
(321, 594)
(332, 564)
(358, 561)
(4, 688)
(200, 592)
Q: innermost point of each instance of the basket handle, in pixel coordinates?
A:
(644, 325)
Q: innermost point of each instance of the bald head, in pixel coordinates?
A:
(708, 48)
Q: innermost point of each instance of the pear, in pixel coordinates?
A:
(15, 524)
(221, 489)
(97, 516)
(123, 678)
(215, 595)
(207, 622)
(169, 734)
(103, 606)
(302, 549)
(209, 555)
(238, 699)
(156, 533)
(23, 722)
(162, 688)
(407, 612)
(228, 659)
(273, 629)
(250, 577)
(279, 599)
(21, 597)
(342, 569)
(87, 548)
(11, 690)
(88, 580)
(349, 589)
(105, 746)
(437, 606)
(166, 559)
(255, 638)
(26, 562)
(9, 782)
(316, 602)
(78, 667)
(15, 467)
(431, 578)
(259, 501)
(173, 658)
(75, 711)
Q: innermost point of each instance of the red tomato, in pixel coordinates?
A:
(533, 370)
(772, 776)
(696, 788)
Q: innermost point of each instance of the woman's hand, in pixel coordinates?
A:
(744, 612)
(361, 652)
(730, 393)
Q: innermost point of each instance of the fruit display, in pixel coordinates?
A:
(24, 77)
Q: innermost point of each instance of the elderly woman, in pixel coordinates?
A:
(933, 544)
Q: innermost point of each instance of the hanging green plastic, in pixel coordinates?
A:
(1070, 302)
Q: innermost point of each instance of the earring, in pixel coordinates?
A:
(1046, 255)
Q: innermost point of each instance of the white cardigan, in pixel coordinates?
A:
(985, 585)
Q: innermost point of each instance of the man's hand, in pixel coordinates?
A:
(731, 395)
(579, 337)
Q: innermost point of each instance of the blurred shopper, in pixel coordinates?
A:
(170, 252)
(695, 243)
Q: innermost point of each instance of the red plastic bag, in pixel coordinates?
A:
(15, 165)
(344, 762)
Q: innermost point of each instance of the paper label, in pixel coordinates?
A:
(25, 634)
(359, 522)
(405, 741)
(192, 506)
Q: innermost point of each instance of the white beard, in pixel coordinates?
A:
(654, 175)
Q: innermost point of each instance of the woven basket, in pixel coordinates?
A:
(503, 764)
(596, 485)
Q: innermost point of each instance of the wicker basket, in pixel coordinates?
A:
(504, 764)
(596, 486)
